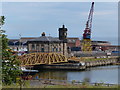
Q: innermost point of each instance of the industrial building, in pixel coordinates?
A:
(73, 43)
(62, 44)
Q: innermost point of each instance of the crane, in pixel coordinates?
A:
(86, 42)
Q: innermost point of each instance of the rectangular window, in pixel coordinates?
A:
(53, 49)
(33, 46)
(56, 49)
(37, 47)
(42, 49)
(60, 49)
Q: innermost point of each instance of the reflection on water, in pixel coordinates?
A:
(58, 75)
(106, 74)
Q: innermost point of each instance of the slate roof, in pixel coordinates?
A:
(45, 39)
(16, 42)
(101, 41)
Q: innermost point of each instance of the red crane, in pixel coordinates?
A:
(87, 31)
(86, 43)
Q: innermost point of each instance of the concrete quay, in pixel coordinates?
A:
(77, 65)
(63, 66)
(100, 62)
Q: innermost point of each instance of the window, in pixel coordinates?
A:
(42, 49)
(73, 40)
(65, 34)
(17, 49)
(37, 47)
(60, 49)
(33, 46)
(69, 40)
(53, 49)
(56, 49)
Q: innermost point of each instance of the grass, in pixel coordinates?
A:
(62, 86)
(95, 59)
(87, 59)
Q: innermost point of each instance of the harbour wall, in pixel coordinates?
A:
(104, 62)
(78, 65)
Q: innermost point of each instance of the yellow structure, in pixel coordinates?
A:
(42, 58)
(86, 45)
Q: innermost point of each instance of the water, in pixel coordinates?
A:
(106, 74)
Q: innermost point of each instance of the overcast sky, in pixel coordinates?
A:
(31, 19)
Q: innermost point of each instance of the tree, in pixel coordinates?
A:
(2, 19)
(10, 64)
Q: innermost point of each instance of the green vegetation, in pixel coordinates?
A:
(10, 65)
(78, 86)
(54, 84)
(63, 86)
(95, 59)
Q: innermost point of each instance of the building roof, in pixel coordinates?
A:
(28, 37)
(12, 42)
(45, 39)
(101, 41)
(73, 38)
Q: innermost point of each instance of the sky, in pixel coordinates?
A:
(30, 19)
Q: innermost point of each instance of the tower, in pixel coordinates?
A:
(63, 33)
(63, 37)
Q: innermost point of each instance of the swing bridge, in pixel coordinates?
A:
(41, 58)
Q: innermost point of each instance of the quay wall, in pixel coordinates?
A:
(60, 67)
(101, 62)
(78, 65)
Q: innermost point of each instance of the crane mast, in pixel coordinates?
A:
(86, 42)
(89, 22)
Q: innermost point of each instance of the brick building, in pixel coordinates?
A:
(73, 42)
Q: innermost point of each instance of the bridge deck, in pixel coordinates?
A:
(42, 58)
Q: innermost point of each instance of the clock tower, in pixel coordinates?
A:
(63, 33)
(63, 37)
